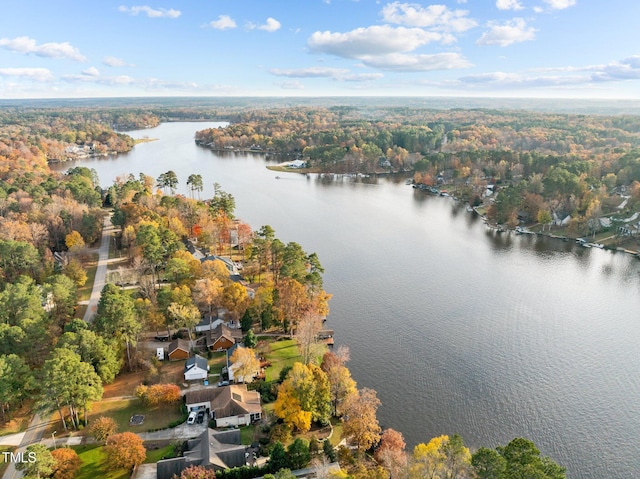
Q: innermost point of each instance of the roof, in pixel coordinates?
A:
(233, 335)
(227, 401)
(181, 344)
(196, 361)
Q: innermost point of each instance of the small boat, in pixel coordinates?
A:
(277, 177)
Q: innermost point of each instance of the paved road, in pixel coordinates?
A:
(33, 434)
(101, 271)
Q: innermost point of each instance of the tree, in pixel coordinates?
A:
(340, 382)
(304, 396)
(250, 340)
(208, 293)
(391, 453)
(95, 350)
(361, 424)
(307, 330)
(125, 450)
(222, 203)
(488, 464)
(74, 270)
(245, 364)
(42, 466)
(116, 317)
(298, 453)
(196, 184)
(196, 472)
(63, 292)
(67, 463)
(102, 428)
(184, 316)
(278, 458)
(168, 180)
(74, 241)
(441, 458)
(523, 460)
(16, 382)
(69, 381)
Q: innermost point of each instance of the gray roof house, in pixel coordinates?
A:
(195, 368)
(212, 449)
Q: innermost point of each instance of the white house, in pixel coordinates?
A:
(196, 368)
(297, 164)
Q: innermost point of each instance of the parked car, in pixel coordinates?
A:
(192, 417)
(162, 338)
(223, 383)
(200, 417)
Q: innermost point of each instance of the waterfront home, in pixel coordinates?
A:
(230, 405)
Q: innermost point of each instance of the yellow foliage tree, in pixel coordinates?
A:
(288, 408)
(74, 241)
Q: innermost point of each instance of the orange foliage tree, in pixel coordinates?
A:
(125, 450)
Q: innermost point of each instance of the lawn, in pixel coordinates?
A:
(217, 362)
(122, 410)
(90, 267)
(247, 434)
(282, 354)
(164, 452)
(94, 464)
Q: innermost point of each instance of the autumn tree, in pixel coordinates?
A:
(207, 293)
(391, 453)
(443, 457)
(74, 241)
(304, 396)
(196, 472)
(245, 364)
(156, 394)
(361, 424)
(102, 428)
(184, 316)
(340, 382)
(125, 450)
(307, 329)
(67, 463)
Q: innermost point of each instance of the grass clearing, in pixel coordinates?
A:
(90, 266)
(282, 354)
(122, 410)
(3, 464)
(217, 361)
(247, 434)
(94, 464)
(164, 452)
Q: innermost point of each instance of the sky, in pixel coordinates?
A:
(468, 48)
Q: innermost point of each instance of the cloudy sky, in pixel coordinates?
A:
(506, 48)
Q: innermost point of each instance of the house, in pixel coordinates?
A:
(231, 368)
(196, 368)
(212, 449)
(222, 337)
(228, 405)
(560, 219)
(297, 164)
(208, 323)
(179, 349)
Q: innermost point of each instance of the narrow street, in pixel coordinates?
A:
(101, 271)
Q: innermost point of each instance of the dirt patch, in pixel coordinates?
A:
(124, 385)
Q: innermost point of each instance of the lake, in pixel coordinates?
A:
(459, 329)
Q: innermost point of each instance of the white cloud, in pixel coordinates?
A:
(311, 72)
(402, 62)
(627, 69)
(375, 40)
(438, 17)
(115, 62)
(91, 71)
(271, 25)
(150, 12)
(512, 31)
(509, 5)
(224, 22)
(560, 4)
(538, 9)
(338, 74)
(28, 45)
(36, 74)
(290, 85)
